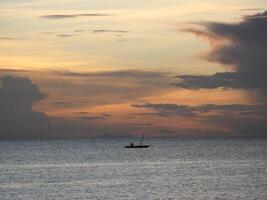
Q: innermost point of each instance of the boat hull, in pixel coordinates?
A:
(137, 146)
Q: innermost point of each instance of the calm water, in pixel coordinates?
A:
(103, 169)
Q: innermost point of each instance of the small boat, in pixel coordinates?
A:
(131, 145)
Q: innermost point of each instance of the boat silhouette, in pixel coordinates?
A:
(131, 145)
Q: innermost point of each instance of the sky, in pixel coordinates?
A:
(176, 68)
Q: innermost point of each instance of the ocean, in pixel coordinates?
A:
(101, 169)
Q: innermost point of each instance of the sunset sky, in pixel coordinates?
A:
(79, 68)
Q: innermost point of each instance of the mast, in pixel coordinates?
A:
(142, 138)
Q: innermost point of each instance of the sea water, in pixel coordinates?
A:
(102, 169)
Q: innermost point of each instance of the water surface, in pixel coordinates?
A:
(183, 169)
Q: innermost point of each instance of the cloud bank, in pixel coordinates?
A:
(76, 89)
(242, 46)
(239, 119)
(19, 120)
(17, 95)
(193, 111)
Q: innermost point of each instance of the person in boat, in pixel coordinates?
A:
(131, 144)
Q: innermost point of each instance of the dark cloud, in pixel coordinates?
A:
(17, 118)
(80, 113)
(105, 115)
(138, 124)
(69, 103)
(193, 111)
(243, 120)
(118, 33)
(76, 89)
(240, 108)
(260, 16)
(63, 103)
(89, 116)
(86, 113)
(66, 16)
(223, 79)
(243, 46)
(248, 125)
(92, 118)
(19, 89)
(167, 109)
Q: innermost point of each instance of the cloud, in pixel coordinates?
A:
(88, 116)
(66, 16)
(223, 79)
(105, 115)
(80, 113)
(19, 89)
(115, 74)
(7, 38)
(261, 16)
(251, 9)
(79, 89)
(65, 35)
(193, 111)
(10, 70)
(92, 118)
(109, 31)
(244, 120)
(17, 119)
(63, 103)
(112, 86)
(47, 32)
(248, 126)
(79, 30)
(241, 45)
(167, 109)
